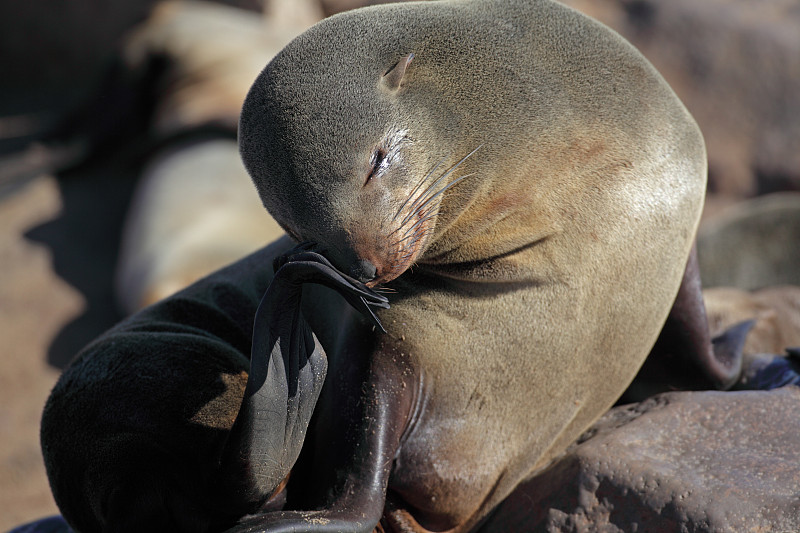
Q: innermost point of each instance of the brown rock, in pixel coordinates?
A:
(689, 461)
(752, 244)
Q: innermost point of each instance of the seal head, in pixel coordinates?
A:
(354, 142)
(343, 179)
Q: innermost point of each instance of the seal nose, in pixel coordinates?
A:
(363, 271)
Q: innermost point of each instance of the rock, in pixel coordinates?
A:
(688, 461)
(735, 65)
(753, 244)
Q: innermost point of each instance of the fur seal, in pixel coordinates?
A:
(775, 312)
(761, 234)
(546, 183)
(193, 212)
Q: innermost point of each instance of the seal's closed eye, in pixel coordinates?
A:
(376, 161)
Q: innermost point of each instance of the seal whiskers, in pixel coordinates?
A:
(422, 197)
(414, 228)
(419, 184)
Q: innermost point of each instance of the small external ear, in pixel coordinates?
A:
(392, 78)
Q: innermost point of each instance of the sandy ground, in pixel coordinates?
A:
(35, 304)
(58, 246)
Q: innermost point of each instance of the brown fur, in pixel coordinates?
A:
(543, 278)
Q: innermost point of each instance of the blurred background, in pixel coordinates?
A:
(120, 181)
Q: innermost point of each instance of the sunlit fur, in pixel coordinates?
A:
(534, 211)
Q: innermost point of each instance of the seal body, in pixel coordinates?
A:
(545, 182)
(194, 212)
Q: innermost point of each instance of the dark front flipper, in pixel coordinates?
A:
(356, 293)
(728, 346)
(287, 371)
(355, 457)
(364, 414)
(684, 356)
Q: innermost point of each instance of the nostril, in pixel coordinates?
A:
(363, 271)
